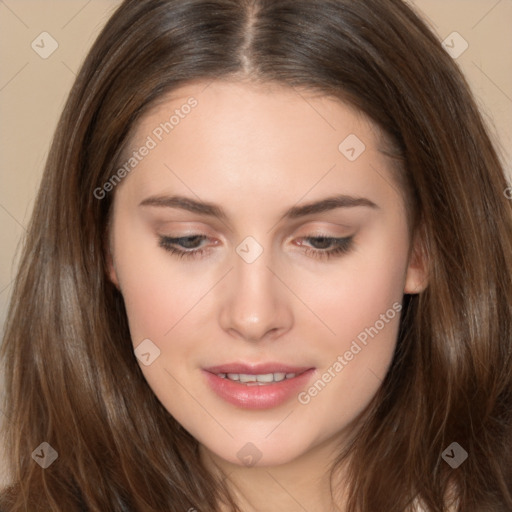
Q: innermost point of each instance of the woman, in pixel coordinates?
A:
(269, 266)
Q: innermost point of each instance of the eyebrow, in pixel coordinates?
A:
(213, 210)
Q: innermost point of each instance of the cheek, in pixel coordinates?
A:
(156, 293)
(354, 293)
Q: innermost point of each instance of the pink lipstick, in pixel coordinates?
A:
(257, 386)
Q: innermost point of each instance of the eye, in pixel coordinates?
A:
(327, 246)
(184, 246)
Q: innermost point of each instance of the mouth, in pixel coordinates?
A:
(257, 386)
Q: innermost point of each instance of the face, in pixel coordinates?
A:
(261, 236)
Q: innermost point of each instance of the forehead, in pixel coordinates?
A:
(237, 112)
(243, 136)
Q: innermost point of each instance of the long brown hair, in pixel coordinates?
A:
(72, 379)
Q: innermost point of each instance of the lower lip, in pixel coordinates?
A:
(255, 396)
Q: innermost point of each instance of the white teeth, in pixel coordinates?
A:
(247, 378)
(266, 378)
(278, 377)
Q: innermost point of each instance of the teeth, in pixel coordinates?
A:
(269, 377)
(277, 377)
(266, 378)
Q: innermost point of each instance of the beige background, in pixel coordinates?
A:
(33, 90)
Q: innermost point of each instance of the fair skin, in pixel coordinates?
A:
(256, 152)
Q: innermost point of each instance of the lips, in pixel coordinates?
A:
(223, 381)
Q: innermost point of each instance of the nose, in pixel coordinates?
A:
(256, 305)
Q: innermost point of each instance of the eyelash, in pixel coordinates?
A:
(342, 246)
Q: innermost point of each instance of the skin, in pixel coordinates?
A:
(257, 151)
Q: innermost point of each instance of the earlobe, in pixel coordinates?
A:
(109, 261)
(111, 271)
(416, 280)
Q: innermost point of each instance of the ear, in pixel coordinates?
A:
(109, 260)
(418, 268)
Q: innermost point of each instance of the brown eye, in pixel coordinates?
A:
(326, 247)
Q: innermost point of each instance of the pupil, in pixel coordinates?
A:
(322, 243)
(190, 239)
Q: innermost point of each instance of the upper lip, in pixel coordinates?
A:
(256, 369)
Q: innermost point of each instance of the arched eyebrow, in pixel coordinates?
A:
(214, 210)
